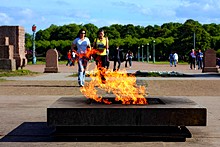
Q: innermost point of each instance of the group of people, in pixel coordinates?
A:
(118, 58)
(173, 57)
(83, 50)
(71, 58)
(82, 47)
(196, 58)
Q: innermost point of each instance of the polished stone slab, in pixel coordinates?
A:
(162, 111)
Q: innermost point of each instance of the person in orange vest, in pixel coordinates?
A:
(69, 58)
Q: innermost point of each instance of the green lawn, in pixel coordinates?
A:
(21, 72)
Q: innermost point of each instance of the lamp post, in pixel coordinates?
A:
(142, 54)
(153, 51)
(194, 40)
(33, 43)
(139, 53)
(147, 52)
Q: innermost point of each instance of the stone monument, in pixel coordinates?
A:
(51, 61)
(164, 118)
(7, 62)
(209, 61)
(16, 36)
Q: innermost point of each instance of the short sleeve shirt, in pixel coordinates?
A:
(81, 45)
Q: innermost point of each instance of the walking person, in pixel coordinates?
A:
(101, 45)
(175, 59)
(192, 59)
(117, 59)
(200, 59)
(69, 58)
(128, 58)
(73, 57)
(107, 59)
(171, 59)
(82, 45)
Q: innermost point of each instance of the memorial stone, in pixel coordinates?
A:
(16, 36)
(51, 61)
(7, 62)
(210, 61)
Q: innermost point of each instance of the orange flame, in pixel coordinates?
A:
(120, 84)
(88, 54)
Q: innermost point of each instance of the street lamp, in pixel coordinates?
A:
(139, 53)
(194, 37)
(194, 40)
(147, 52)
(142, 52)
(33, 43)
(153, 51)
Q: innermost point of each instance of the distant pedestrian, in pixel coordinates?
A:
(192, 59)
(69, 58)
(117, 58)
(107, 59)
(73, 57)
(175, 59)
(218, 62)
(171, 59)
(128, 58)
(199, 57)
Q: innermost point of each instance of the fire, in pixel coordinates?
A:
(122, 85)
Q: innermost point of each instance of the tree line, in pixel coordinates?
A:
(166, 38)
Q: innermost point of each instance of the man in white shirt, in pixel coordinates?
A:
(175, 58)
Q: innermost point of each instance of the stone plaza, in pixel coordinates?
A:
(24, 102)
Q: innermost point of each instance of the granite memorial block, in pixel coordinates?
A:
(16, 36)
(210, 61)
(7, 62)
(51, 61)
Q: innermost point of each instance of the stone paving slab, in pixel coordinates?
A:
(23, 117)
(23, 120)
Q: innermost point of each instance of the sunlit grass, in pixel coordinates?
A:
(166, 62)
(20, 72)
(44, 63)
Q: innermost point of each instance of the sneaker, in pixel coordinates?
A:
(81, 85)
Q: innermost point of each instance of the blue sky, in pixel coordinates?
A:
(43, 13)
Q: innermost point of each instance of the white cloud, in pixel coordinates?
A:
(81, 15)
(5, 19)
(28, 13)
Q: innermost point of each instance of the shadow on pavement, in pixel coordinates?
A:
(40, 132)
(29, 132)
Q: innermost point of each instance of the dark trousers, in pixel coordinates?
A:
(200, 64)
(119, 64)
(101, 63)
(129, 60)
(193, 63)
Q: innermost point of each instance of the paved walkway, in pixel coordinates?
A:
(23, 117)
(143, 66)
(65, 72)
